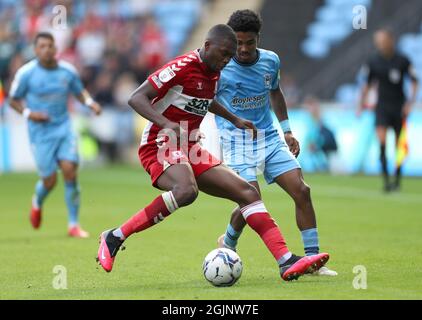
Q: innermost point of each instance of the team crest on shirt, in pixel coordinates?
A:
(166, 75)
(267, 80)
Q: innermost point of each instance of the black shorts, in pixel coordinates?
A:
(386, 118)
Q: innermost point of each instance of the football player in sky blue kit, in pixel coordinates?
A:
(249, 87)
(40, 92)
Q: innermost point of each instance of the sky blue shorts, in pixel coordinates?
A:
(48, 152)
(271, 157)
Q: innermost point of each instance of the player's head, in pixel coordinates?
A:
(45, 47)
(219, 47)
(384, 41)
(247, 25)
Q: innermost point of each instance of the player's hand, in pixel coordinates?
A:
(246, 124)
(38, 116)
(96, 108)
(292, 143)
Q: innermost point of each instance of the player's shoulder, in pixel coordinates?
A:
(268, 55)
(177, 68)
(27, 68)
(64, 65)
(375, 59)
(184, 61)
(402, 58)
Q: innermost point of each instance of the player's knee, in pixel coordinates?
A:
(50, 182)
(70, 175)
(250, 194)
(304, 193)
(185, 194)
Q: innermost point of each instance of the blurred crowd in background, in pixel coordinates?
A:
(116, 44)
(113, 44)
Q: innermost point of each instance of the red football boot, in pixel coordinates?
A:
(35, 215)
(109, 246)
(77, 232)
(300, 266)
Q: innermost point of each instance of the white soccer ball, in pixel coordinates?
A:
(222, 267)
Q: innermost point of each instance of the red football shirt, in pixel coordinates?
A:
(186, 88)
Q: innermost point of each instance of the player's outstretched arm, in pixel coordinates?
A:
(140, 101)
(220, 111)
(363, 98)
(278, 103)
(413, 92)
(85, 98)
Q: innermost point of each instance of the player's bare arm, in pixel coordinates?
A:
(26, 112)
(140, 101)
(363, 97)
(413, 92)
(278, 103)
(219, 110)
(85, 98)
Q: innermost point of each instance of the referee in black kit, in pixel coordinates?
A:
(387, 70)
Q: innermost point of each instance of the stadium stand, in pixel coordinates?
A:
(322, 34)
(333, 72)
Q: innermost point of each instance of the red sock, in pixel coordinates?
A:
(156, 211)
(258, 218)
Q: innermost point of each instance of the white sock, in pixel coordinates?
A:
(118, 233)
(284, 258)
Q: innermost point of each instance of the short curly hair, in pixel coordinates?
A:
(245, 21)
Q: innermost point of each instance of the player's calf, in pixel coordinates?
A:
(42, 189)
(155, 212)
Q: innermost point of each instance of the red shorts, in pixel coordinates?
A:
(156, 160)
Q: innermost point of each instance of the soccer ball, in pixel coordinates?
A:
(222, 267)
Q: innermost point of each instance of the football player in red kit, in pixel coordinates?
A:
(175, 99)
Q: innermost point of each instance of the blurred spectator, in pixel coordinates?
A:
(91, 43)
(8, 43)
(153, 45)
(63, 34)
(124, 87)
(321, 142)
(114, 44)
(34, 20)
(114, 130)
(103, 93)
(290, 90)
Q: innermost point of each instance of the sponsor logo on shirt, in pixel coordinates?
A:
(197, 106)
(248, 102)
(166, 75)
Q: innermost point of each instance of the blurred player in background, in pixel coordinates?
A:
(248, 87)
(175, 99)
(387, 69)
(40, 92)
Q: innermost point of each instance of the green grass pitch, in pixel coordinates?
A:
(358, 225)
